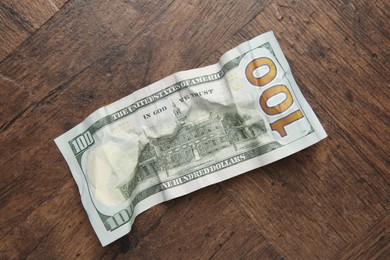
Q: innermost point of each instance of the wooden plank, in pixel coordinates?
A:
(372, 244)
(20, 19)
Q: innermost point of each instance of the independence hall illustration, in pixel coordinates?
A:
(191, 143)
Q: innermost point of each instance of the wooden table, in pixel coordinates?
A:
(61, 60)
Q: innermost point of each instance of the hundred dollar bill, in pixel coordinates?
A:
(187, 131)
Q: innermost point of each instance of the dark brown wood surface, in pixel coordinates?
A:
(60, 61)
(20, 19)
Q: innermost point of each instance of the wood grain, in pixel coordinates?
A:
(20, 19)
(60, 62)
(374, 243)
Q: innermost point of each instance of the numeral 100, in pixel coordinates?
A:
(271, 91)
(81, 142)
